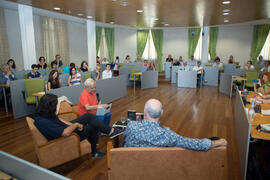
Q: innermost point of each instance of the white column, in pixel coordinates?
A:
(205, 43)
(27, 35)
(91, 43)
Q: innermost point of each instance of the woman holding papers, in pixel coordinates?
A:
(264, 86)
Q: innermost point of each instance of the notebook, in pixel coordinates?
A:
(101, 111)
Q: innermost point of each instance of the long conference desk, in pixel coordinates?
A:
(245, 129)
(108, 89)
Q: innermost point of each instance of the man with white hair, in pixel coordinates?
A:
(149, 133)
(5, 77)
(89, 102)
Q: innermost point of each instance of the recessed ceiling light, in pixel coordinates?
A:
(57, 8)
(112, 22)
(139, 11)
(156, 19)
(166, 24)
(226, 10)
(89, 17)
(124, 3)
(226, 14)
(226, 2)
(79, 14)
(226, 20)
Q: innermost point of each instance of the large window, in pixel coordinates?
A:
(265, 52)
(150, 51)
(198, 51)
(103, 49)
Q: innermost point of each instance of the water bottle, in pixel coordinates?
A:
(251, 111)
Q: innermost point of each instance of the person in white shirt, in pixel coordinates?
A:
(200, 72)
(249, 66)
(104, 61)
(218, 64)
(107, 73)
(184, 67)
(192, 61)
(127, 59)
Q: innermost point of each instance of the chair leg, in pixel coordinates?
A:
(90, 159)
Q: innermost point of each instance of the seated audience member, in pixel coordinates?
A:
(260, 62)
(116, 63)
(107, 73)
(84, 67)
(5, 77)
(185, 67)
(151, 66)
(175, 63)
(34, 73)
(89, 101)
(58, 61)
(104, 61)
(249, 66)
(127, 59)
(138, 59)
(150, 133)
(53, 80)
(145, 63)
(169, 58)
(66, 69)
(86, 126)
(96, 74)
(231, 60)
(264, 85)
(266, 67)
(200, 72)
(54, 65)
(181, 60)
(97, 60)
(192, 61)
(42, 64)
(74, 78)
(218, 64)
(12, 65)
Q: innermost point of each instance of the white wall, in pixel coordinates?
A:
(236, 41)
(14, 37)
(125, 43)
(77, 38)
(175, 42)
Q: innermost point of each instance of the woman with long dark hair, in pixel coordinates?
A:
(87, 126)
(42, 63)
(53, 80)
(74, 78)
(12, 65)
(84, 67)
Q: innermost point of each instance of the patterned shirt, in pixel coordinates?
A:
(152, 134)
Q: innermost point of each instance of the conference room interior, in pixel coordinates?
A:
(143, 30)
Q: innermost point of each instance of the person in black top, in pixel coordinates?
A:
(34, 73)
(42, 64)
(86, 126)
(169, 59)
(84, 67)
(53, 80)
(175, 63)
(12, 65)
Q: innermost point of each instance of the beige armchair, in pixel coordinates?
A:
(58, 151)
(165, 163)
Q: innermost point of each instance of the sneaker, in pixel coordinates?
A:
(116, 132)
(98, 155)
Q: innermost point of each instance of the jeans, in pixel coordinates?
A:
(106, 119)
(200, 79)
(91, 126)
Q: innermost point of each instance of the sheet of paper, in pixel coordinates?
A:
(101, 111)
(265, 112)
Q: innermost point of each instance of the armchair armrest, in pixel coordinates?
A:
(59, 151)
(109, 147)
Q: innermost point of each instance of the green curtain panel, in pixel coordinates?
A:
(142, 36)
(260, 33)
(193, 38)
(98, 37)
(213, 36)
(158, 42)
(109, 36)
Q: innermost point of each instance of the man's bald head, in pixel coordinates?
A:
(153, 108)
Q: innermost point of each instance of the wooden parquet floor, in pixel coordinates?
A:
(196, 113)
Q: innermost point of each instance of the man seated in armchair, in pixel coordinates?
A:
(150, 133)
